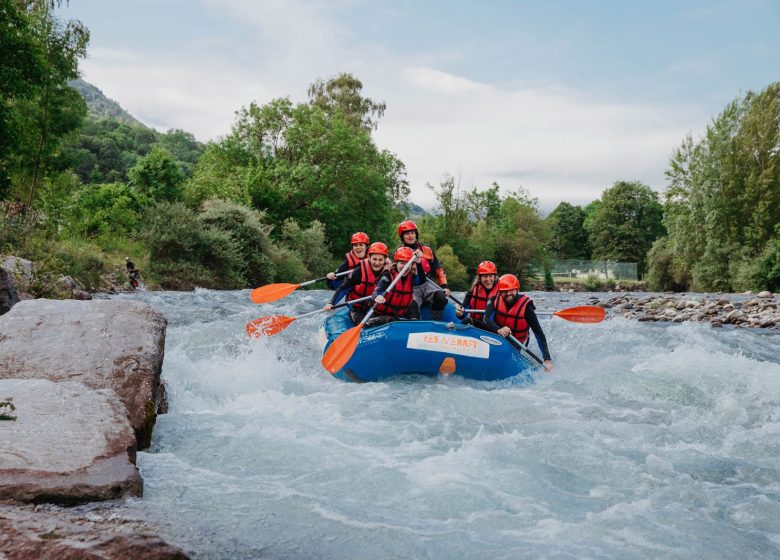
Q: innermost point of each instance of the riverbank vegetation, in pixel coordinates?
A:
(278, 196)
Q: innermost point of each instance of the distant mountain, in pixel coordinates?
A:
(412, 210)
(100, 106)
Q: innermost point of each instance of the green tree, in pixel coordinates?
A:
(50, 110)
(342, 94)
(22, 68)
(157, 176)
(568, 237)
(627, 223)
(723, 198)
(521, 235)
(102, 209)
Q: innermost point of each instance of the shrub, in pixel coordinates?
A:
(766, 273)
(457, 276)
(104, 209)
(311, 244)
(185, 253)
(662, 274)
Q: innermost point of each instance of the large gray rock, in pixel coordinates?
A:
(20, 269)
(69, 444)
(8, 295)
(50, 533)
(102, 343)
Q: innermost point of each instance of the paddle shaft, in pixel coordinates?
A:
(325, 278)
(389, 289)
(344, 304)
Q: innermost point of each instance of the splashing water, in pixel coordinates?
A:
(647, 441)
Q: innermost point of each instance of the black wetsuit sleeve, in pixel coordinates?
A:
(533, 323)
(336, 283)
(348, 283)
(490, 311)
(382, 284)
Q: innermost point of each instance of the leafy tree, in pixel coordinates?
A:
(723, 199)
(520, 236)
(22, 68)
(627, 223)
(568, 237)
(311, 244)
(50, 110)
(457, 275)
(157, 176)
(342, 94)
(102, 209)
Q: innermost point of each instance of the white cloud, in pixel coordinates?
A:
(558, 143)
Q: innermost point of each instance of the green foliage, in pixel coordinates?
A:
(723, 200)
(568, 236)
(185, 253)
(251, 236)
(662, 274)
(767, 267)
(592, 283)
(520, 236)
(342, 95)
(310, 244)
(111, 208)
(457, 275)
(80, 261)
(308, 162)
(626, 223)
(549, 282)
(157, 176)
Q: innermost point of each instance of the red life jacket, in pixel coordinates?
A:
(479, 298)
(352, 260)
(399, 298)
(366, 287)
(514, 318)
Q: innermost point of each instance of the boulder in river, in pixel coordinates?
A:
(68, 444)
(105, 344)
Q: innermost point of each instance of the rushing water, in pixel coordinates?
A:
(648, 441)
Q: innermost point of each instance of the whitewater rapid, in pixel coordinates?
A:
(648, 441)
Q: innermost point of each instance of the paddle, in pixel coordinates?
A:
(581, 314)
(516, 343)
(272, 324)
(340, 351)
(272, 292)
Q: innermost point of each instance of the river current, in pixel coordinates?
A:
(648, 441)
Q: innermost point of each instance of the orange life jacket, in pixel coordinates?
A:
(479, 298)
(399, 298)
(352, 259)
(514, 317)
(366, 287)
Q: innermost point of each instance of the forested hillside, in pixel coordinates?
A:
(84, 184)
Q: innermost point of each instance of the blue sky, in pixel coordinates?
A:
(561, 98)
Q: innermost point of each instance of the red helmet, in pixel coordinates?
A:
(487, 267)
(359, 237)
(403, 254)
(378, 248)
(508, 282)
(408, 225)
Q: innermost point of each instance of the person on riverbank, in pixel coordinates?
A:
(357, 253)
(132, 272)
(362, 282)
(483, 288)
(512, 313)
(428, 266)
(399, 302)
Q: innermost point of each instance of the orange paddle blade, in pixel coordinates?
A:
(582, 314)
(268, 326)
(340, 351)
(272, 292)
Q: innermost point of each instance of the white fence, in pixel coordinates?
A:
(603, 270)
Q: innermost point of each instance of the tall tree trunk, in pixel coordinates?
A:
(37, 164)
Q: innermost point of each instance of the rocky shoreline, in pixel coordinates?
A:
(80, 392)
(747, 310)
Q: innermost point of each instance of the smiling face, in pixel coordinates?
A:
(410, 237)
(376, 261)
(359, 249)
(509, 297)
(399, 265)
(487, 281)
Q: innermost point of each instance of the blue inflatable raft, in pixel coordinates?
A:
(427, 347)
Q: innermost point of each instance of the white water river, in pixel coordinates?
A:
(648, 441)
